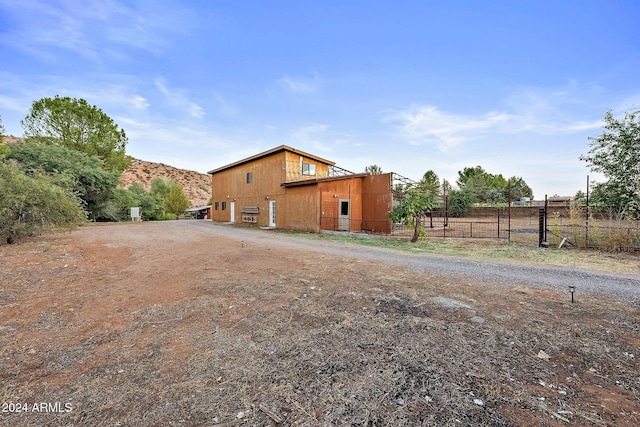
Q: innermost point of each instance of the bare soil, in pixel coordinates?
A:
(192, 323)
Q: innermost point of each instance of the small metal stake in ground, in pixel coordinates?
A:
(572, 289)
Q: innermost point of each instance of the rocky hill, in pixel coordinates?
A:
(197, 186)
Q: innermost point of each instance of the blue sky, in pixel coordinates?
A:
(516, 87)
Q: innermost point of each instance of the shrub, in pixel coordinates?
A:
(30, 204)
(459, 203)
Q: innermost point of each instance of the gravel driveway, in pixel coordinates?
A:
(624, 287)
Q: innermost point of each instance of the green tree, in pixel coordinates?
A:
(176, 202)
(519, 188)
(496, 195)
(75, 171)
(74, 124)
(412, 209)
(616, 154)
(374, 170)
(476, 181)
(459, 203)
(32, 203)
(160, 188)
(430, 184)
(151, 208)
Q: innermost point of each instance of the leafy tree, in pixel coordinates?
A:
(412, 209)
(496, 195)
(74, 124)
(519, 189)
(176, 202)
(616, 154)
(75, 171)
(476, 181)
(459, 203)
(151, 208)
(32, 203)
(430, 184)
(160, 188)
(373, 170)
(580, 198)
(490, 188)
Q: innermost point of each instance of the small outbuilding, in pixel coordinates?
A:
(199, 212)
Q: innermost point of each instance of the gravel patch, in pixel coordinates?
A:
(619, 286)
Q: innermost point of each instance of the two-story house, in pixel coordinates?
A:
(290, 189)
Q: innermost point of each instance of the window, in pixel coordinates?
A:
(217, 205)
(308, 169)
(249, 177)
(344, 208)
(224, 206)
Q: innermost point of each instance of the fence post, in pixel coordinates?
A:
(586, 229)
(542, 226)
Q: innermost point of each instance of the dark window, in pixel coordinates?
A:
(224, 206)
(217, 205)
(249, 177)
(344, 208)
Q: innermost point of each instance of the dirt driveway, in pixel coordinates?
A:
(192, 323)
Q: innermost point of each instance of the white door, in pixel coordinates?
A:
(232, 211)
(343, 214)
(272, 213)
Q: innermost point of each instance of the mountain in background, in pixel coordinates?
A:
(196, 185)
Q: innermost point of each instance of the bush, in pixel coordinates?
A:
(30, 204)
(75, 171)
(166, 217)
(459, 203)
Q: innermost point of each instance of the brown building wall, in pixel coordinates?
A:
(331, 193)
(294, 167)
(267, 175)
(296, 207)
(310, 207)
(377, 201)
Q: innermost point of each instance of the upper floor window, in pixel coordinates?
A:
(308, 169)
(249, 177)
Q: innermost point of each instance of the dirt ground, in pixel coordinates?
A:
(160, 324)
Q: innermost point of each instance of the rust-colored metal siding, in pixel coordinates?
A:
(377, 201)
(331, 192)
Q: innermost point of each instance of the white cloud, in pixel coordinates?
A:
(299, 85)
(91, 29)
(426, 124)
(177, 98)
(311, 135)
(559, 111)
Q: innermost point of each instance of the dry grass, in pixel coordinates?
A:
(290, 339)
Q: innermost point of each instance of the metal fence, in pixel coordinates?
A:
(592, 232)
(565, 227)
(494, 225)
